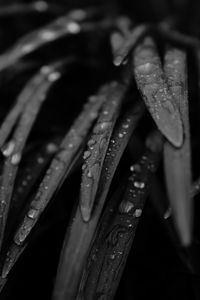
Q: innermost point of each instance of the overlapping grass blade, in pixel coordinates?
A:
(14, 148)
(79, 234)
(153, 86)
(97, 147)
(70, 24)
(117, 229)
(178, 161)
(129, 41)
(57, 171)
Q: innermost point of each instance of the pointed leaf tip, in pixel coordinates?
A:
(156, 94)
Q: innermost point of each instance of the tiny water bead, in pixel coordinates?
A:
(168, 213)
(16, 158)
(33, 213)
(54, 76)
(120, 135)
(52, 148)
(112, 256)
(101, 127)
(47, 35)
(139, 184)
(8, 149)
(135, 168)
(41, 6)
(40, 160)
(73, 27)
(138, 212)
(28, 48)
(45, 69)
(86, 154)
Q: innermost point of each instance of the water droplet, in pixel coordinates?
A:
(146, 68)
(105, 112)
(52, 148)
(8, 149)
(73, 27)
(93, 115)
(40, 160)
(112, 256)
(139, 184)
(125, 206)
(33, 213)
(47, 35)
(41, 6)
(78, 14)
(138, 212)
(27, 48)
(168, 213)
(45, 69)
(15, 159)
(101, 127)
(70, 146)
(125, 126)
(84, 166)
(120, 135)
(118, 60)
(136, 168)
(86, 154)
(53, 76)
(89, 174)
(92, 99)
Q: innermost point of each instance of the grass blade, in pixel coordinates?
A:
(23, 8)
(13, 150)
(97, 147)
(155, 92)
(117, 230)
(164, 212)
(57, 171)
(26, 182)
(79, 234)
(177, 161)
(65, 25)
(130, 40)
